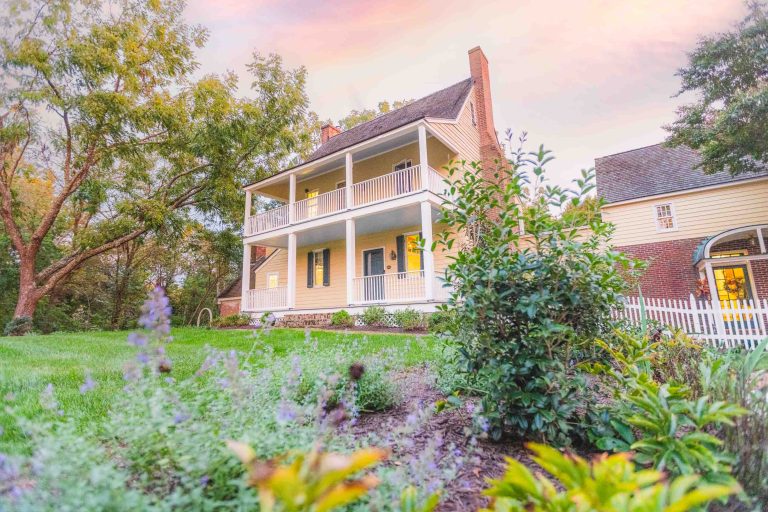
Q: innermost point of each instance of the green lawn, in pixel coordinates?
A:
(28, 364)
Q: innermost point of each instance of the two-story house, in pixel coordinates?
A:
(347, 231)
(701, 234)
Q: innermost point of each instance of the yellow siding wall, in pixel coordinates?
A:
(698, 213)
(463, 134)
(335, 295)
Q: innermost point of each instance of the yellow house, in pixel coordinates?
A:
(701, 234)
(347, 231)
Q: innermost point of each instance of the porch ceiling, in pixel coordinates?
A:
(401, 217)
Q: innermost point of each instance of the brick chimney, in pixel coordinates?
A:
(328, 131)
(490, 151)
(258, 251)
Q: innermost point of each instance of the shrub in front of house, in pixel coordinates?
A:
(374, 316)
(342, 319)
(441, 321)
(234, 320)
(525, 305)
(409, 319)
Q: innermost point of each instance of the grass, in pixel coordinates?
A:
(28, 364)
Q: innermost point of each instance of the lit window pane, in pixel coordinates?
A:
(319, 267)
(413, 253)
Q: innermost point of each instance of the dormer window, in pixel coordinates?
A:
(665, 217)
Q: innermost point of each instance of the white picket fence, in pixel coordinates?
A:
(738, 323)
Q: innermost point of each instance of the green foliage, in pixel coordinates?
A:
(525, 305)
(673, 430)
(441, 322)
(726, 72)
(740, 378)
(409, 319)
(374, 316)
(342, 318)
(608, 484)
(18, 326)
(234, 320)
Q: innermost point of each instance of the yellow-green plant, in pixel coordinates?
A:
(317, 481)
(409, 501)
(609, 483)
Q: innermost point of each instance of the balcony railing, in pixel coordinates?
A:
(267, 299)
(400, 286)
(374, 190)
(318, 206)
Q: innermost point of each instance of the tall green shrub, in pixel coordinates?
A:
(526, 303)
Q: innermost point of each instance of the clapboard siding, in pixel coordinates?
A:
(698, 213)
(463, 134)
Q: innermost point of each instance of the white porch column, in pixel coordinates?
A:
(423, 157)
(291, 196)
(246, 280)
(711, 282)
(348, 180)
(291, 270)
(429, 261)
(350, 261)
(247, 217)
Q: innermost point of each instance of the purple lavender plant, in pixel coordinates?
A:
(156, 319)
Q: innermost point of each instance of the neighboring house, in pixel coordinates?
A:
(701, 234)
(228, 299)
(347, 234)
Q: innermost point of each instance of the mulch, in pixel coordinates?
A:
(463, 493)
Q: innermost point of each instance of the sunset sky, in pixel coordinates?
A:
(586, 78)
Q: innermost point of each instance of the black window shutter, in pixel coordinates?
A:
(421, 254)
(310, 269)
(400, 253)
(326, 267)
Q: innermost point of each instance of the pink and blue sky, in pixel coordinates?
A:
(586, 78)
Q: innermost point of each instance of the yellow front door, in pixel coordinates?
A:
(312, 205)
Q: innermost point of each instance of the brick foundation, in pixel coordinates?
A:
(760, 275)
(229, 307)
(670, 272)
(305, 320)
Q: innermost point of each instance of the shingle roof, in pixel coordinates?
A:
(655, 170)
(233, 290)
(443, 104)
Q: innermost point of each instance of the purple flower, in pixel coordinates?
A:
(180, 417)
(88, 385)
(142, 357)
(137, 339)
(204, 480)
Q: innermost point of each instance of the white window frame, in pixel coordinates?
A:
(277, 279)
(408, 164)
(339, 183)
(656, 218)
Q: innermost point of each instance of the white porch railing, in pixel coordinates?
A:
(270, 219)
(267, 299)
(387, 186)
(437, 183)
(383, 288)
(442, 292)
(737, 323)
(318, 206)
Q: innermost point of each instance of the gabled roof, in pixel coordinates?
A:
(234, 289)
(443, 104)
(655, 170)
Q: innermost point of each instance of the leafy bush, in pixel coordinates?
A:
(743, 379)
(673, 431)
(525, 304)
(234, 320)
(441, 322)
(608, 484)
(342, 319)
(409, 319)
(374, 316)
(18, 326)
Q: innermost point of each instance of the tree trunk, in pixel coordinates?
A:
(29, 295)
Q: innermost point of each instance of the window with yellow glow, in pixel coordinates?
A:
(312, 203)
(732, 284)
(413, 253)
(729, 254)
(318, 270)
(273, 280)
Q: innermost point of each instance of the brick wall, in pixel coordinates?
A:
(229, 307)
(305, 320)
(670, 272)
(760, 275)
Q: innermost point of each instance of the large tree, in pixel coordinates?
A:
(729, 74)
(105, 98)
(357, 117)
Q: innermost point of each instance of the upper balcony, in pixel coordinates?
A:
(379, 171)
